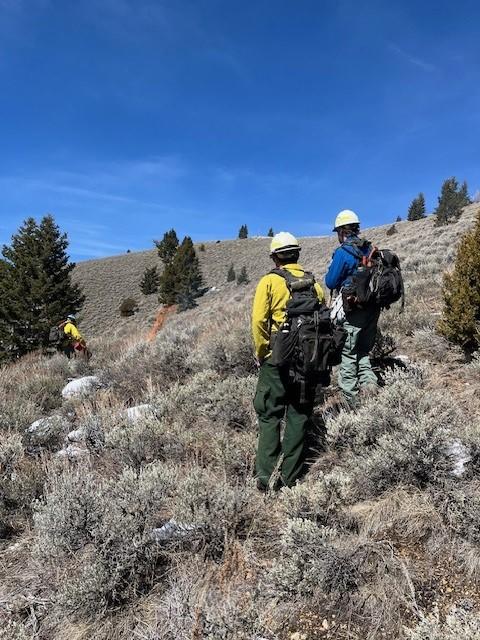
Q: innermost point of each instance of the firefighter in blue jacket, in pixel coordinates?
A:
(360, 323)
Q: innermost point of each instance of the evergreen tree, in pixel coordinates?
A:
(242, 276)
(187, 269)
(182, 278)
(168, 285)
(243, 232)
(460, 322)
(150, 281)
(464, 198)
(270, 233)
(417, 209)
(451, 201)
(231, 275)
(392, 230)
(185, 301)
(36, 288)
(167, 247)
(399, 219)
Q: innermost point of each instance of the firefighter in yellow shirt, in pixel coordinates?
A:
(276, 395)
(73, 338)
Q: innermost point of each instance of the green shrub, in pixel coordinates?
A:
(128, 307)
(107, 525)
(242, 277)
(460, 322)
(150, 281)
(400, 436)
(231, 275)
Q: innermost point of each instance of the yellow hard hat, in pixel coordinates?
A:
(283, 241)
(346, 217)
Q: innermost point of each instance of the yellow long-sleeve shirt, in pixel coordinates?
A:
(271, 297)
(71, 331)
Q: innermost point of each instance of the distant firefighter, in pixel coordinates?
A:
(72, 344)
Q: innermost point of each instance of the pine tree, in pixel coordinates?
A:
(167, 247)
(242, 276)
(464, 198)
(182, 278)
(391, 230)
(168, 285)
(150, 281)
(36, 288)
(460, 322)
(399, 219)
(231, 275)
(451, 201)
(270, 233)
(243, 232)
(417, 209)
(187, 269)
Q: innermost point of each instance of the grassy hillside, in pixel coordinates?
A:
(118, 523)
(108, 281)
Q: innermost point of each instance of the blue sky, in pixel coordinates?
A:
(124, 118)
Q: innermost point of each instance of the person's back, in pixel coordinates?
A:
(359, 322)
(269, 306)
(74, 341)
(277, 394)
(345, 260)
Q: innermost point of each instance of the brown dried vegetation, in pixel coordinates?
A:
(380, 541)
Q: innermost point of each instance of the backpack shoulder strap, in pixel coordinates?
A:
(297, 283)
(285, 274)
(352, 250)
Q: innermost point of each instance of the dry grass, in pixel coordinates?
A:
(359, 550)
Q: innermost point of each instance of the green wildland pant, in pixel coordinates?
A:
(277, 396)
(355, 369)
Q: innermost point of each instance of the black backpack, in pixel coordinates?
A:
(378, 280)
(307, 341)
(55, 335)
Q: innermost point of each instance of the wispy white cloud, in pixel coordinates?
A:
(269, 180)
(416, 61)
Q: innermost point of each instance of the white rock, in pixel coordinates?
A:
(171, 530)
(81, 387)
(45, 429)
(76, 436)
(72, 452)
(460, 456)
(404, 359)
(140, 411)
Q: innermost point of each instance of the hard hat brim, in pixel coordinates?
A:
(292, 247)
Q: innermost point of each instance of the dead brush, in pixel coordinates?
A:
(403, 514)
(461, 622)
(94, 536)
(364, 582)
(220, 512)
(213, 601)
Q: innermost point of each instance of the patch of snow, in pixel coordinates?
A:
(76, 436)
(72, 452)
(460, 456)
(81, 387)
(172, 530)
(404, 359)
(139, 411)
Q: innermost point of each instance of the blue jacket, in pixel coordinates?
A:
(344, 264)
